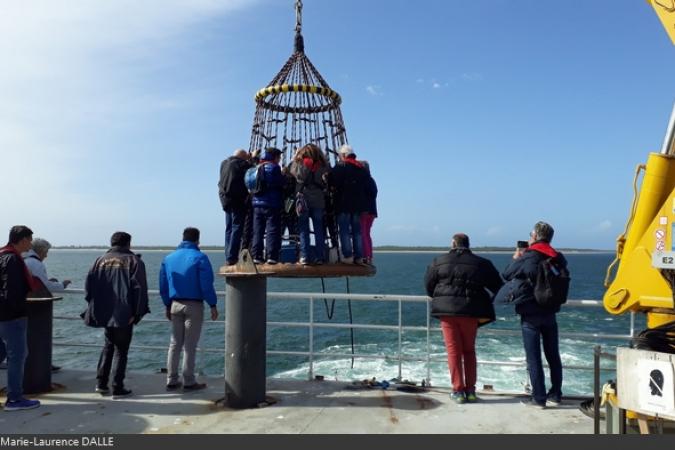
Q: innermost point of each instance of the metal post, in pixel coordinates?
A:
(428, 343)
(669, 142)
(400, 339)
(596, 389)
(245, 340)
(37, 375)
(622, 421)
(311, 338)
(632, 324)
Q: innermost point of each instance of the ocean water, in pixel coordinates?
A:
(398, 273)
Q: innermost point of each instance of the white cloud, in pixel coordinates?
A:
(472, 76)
(70, 67)
(605, 225)
(436, 85)
(374, 90)
(494, 231)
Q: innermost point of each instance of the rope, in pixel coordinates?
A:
(621, 241)
(351, 319)
(298, 16)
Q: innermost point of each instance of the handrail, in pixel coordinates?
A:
(399, 356)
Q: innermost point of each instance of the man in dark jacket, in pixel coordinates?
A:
(234, 199)
(267, 210)
(15, 284)
(462, 286)
(117, 295)
(349, 181)
(538, 323)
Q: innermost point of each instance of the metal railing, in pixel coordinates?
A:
(400, 357)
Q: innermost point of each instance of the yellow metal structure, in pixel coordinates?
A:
(665, 9)
(639, 286)
(646, 251)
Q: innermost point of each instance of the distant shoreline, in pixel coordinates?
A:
(434, 251)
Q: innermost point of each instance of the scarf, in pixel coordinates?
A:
(354, 163)
(545, 248)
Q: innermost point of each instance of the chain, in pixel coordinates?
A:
(298, 16)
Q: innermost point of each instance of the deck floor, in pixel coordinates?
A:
(302, 407)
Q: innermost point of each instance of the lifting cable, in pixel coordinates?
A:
(330, 312)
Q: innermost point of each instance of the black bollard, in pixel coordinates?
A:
(245, 340)
(37, 375)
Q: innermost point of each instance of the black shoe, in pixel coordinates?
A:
(174, 386)
(194, 387)
(121, 393)
(103, 390)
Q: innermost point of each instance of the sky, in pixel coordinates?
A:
(481, 117)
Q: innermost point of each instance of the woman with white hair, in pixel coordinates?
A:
(34, 260)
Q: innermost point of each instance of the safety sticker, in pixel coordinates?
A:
(660, 235)
(660, 246)
(663, 221)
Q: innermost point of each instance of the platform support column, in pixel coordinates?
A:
(245, 341)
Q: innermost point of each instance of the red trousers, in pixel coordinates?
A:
(459, 334)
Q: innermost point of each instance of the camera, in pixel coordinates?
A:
(522, 245)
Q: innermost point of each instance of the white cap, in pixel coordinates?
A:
(346, 150)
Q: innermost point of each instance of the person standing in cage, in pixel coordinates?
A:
(289, 218)
(349, 180)
(369, 216)
(310, 169)
(234, 198)
(247, 235)
(267, 210)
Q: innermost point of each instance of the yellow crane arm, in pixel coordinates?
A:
(665, 9)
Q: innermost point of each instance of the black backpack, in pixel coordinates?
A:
(552, 284)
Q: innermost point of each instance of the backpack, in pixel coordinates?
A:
(255, 179)
(301, 205)
(552, 284)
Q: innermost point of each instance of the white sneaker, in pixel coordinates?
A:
(304, 261)
(349, 260)
(272, 262)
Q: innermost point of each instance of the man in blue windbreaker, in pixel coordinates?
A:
(267, 210)
(185, 283)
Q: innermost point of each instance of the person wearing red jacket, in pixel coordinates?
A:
(15, 284)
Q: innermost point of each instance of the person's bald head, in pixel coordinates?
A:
(241, 154)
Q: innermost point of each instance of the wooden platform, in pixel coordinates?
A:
(300, 271)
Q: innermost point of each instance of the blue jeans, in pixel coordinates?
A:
(13, 334)
(538, 329)
(3, 352)
(267, 227)
(350, 232)
(316, 215)
(234, 230)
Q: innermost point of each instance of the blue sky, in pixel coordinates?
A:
(482, 116)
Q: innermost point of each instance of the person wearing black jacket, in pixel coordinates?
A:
(15, 284)
(116, 291)
(462, 287)
(538, 323)
(234, 198)
(349, 181)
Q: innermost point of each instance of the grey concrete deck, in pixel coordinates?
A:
(303, 407)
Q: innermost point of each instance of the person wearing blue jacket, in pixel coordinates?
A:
(185, 283)
(267, 210)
